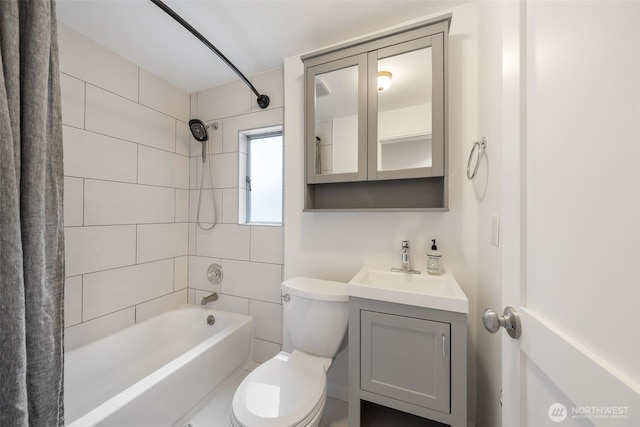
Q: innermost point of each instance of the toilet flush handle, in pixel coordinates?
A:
(285, 297)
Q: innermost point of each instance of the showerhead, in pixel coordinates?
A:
(199, 132)
(198, 129)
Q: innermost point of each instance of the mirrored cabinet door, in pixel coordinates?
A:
(336, 121)
(406, 101)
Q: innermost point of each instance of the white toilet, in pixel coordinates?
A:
(291, 388)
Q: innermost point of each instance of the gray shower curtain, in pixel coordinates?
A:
(31, 229)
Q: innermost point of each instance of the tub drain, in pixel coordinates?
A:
(211, 320)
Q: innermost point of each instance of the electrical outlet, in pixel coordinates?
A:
(495, 230)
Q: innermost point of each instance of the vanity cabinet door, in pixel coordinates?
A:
(407, 359)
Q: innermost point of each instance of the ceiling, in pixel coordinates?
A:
(256, 35)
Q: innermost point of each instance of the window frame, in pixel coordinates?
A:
(249, 137)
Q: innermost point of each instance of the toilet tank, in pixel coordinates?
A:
(316, 314)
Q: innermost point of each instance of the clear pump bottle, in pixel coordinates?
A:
(434, 259)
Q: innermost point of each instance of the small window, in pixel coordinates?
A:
(264, 182)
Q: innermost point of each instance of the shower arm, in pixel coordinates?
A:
(263, 100)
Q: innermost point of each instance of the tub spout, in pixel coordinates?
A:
(209, 298)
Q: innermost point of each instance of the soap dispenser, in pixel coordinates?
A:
(434, 259)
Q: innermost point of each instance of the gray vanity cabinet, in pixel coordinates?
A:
(369, 146)
(411, 359)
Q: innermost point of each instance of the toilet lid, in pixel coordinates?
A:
(283, 391)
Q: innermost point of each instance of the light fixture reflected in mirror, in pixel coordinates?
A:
(384, 80)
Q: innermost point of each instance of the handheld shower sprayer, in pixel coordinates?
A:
(199, 131)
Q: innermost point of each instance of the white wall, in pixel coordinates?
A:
(251, 255)
(335, 245)
(488, 191)
(126, 190)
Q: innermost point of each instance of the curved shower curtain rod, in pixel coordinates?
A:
(263, 100)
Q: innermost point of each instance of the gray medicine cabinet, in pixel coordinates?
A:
(371, 148)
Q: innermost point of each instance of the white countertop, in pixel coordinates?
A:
(422, 290)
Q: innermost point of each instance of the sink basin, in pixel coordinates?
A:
(422, 290)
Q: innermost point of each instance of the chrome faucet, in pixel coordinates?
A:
(209, 298)
(405, 262)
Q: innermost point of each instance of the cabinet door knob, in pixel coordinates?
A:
(509, 320)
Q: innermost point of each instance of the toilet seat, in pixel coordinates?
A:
(289, 390)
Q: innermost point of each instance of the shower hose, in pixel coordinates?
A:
(213, 198)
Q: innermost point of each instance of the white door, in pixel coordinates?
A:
(571, 212)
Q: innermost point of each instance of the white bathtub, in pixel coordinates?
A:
(153, 373)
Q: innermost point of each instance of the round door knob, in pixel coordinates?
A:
(509, 320)
(491, 320)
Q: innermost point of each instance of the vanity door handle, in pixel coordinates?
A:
(443, 341)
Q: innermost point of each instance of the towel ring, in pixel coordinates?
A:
(478, 146)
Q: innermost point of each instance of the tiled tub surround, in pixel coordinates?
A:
(137, 385)
(132, 175)
(250, 255)
(126, 161)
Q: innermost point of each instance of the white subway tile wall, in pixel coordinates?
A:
(126, 160)
(268, 320)
(111, 290)
(180, 273)
(73, 300)
(132, 178)
(85, 332)
(228, 100)
(159, 305)
(88, 61)
(90, 249)
(110, 203)
(157, 167)
(160, 241)
(183, 139)
(182, 205)
(111, 114)
(155, 93)
(73, 201)
(250, 255)
(91, 155)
